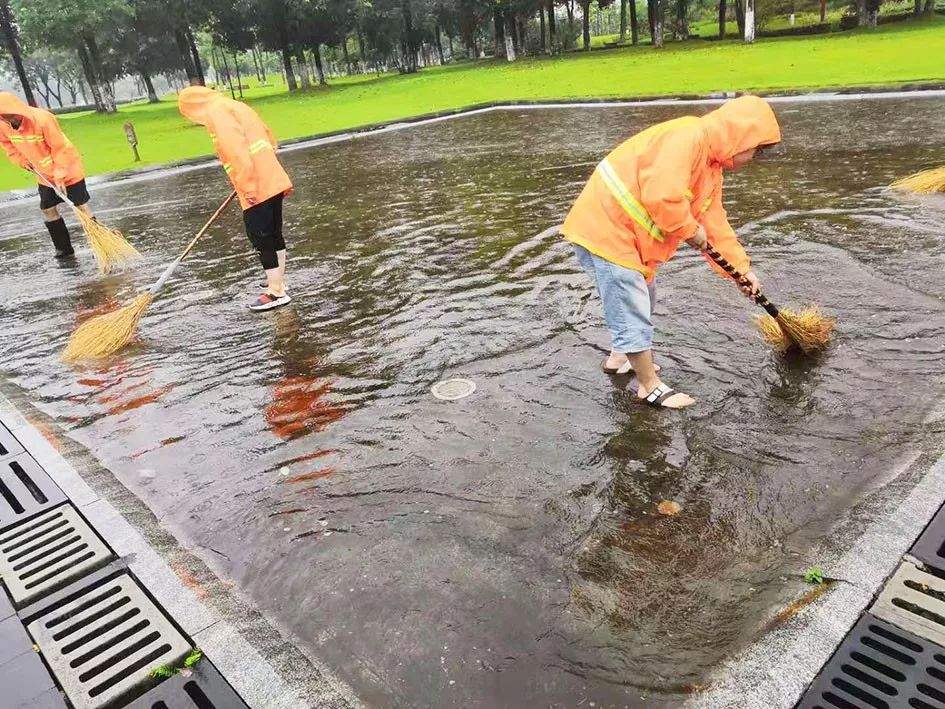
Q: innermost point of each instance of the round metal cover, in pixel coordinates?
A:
(453, 389)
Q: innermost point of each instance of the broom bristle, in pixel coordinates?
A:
(925, 182)
(808, 330)
(106, 334)
(108, 245)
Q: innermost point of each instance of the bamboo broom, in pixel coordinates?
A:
(783, 329)
(108, 245)
(925, 182)
(106, 334)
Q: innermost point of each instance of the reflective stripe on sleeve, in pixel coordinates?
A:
(636, 211)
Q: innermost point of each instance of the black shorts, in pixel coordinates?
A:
(78, 194)
(264, 224)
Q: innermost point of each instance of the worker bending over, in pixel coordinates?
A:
(32, 139)
(659, 188)
(247, 149)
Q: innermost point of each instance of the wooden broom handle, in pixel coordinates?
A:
(210, 221)
(740, 279)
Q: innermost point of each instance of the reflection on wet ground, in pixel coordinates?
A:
(505, 550)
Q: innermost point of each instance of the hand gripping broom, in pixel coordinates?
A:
(108, 245)
(925, 182)
(783, 329)
(106, 334)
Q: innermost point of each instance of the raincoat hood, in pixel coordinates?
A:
(12, 104)
(194, 101)
(738, 125)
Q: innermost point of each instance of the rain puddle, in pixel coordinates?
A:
(505, 549)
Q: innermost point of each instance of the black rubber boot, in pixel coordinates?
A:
(60, 238)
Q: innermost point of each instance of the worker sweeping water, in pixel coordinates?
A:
(654, 191)
(246, 147)
(33, 140)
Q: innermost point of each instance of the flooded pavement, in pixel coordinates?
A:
(505, 550)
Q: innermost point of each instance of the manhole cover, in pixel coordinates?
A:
(453, 389)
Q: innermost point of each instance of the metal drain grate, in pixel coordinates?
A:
(102, 638)
(48, 551)
(929, 548)
(204, 688)
(9, 446)
(880, 666)
(25, 490)
(914, 600)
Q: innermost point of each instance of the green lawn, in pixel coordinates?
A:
(897, 53)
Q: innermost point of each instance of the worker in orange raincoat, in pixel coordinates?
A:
(32, 139)
(659, 188)
(247, 149)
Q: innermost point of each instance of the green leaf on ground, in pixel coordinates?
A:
(814, 575)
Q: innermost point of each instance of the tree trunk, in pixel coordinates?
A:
(317, 51)
(198, 65)
(682, 22)
(439, 44)
(586, 25)
(723, 10)
(520, 21)
(544, 42)
(740, 17)
(12, 43)
(634, 25)
(105, 87)
(569, 6)
(344, 51)
(861, 14)
(229, 76)
(187, 59)
(91, 79)
(252, 51)
(408, 44)
(499, 23)
(303, 69)
(287, 68)
(623, 21)
(551, 25)
(511, 31)
(239, 79)
(930, 7)
(823, 10)
(749, 21)
(149, 85)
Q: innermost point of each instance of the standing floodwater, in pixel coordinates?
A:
(505, 550)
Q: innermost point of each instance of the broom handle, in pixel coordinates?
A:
(159, 283)
(740, 279)
(50, 185)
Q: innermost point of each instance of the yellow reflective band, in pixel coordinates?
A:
(689, 195)
(260, 144)
(227, 167)
(45, 161)
(34, 138)
(636, 211)
(213, 137)
(706, 205)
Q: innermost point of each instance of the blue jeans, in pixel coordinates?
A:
(628, 301)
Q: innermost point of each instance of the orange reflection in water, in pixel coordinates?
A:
(300, 406)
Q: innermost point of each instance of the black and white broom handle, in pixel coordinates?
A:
(740, 279)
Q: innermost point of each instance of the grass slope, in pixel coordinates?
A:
(897, 53)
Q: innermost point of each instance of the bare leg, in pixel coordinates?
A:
(615, 360)
(281, 255)
(648, 379)
(51, 214)
(275, 285)
(86, 209)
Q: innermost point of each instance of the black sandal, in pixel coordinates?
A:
(659, 395)
(623, 370)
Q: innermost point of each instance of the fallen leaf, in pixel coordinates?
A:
(668, 507)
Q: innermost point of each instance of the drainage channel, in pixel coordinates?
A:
(894, 656)
(77, 627)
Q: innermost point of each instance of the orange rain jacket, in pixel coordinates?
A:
(652, 191)
(244, 144)
(39, 143)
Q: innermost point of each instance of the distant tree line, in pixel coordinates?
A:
(66, 49)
